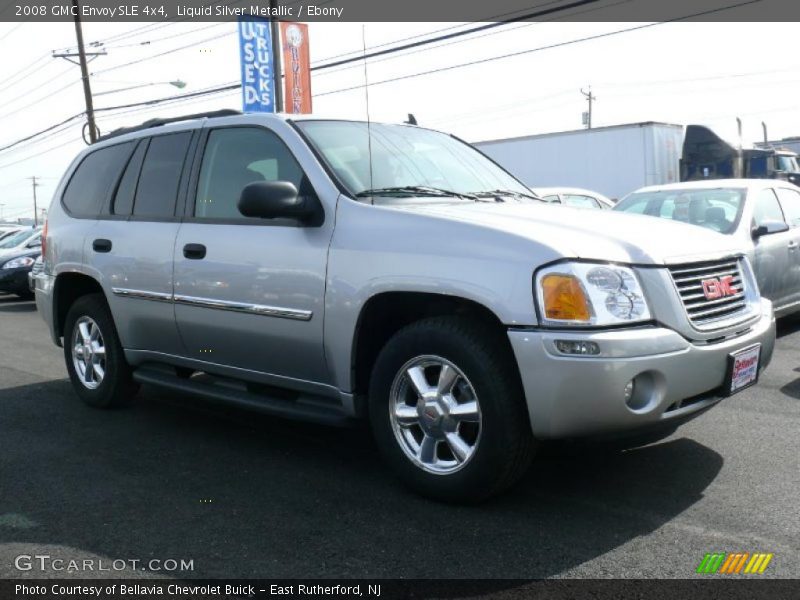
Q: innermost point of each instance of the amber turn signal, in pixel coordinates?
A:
(564, 299)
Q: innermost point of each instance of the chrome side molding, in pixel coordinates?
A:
(142, 294)
(243, 307)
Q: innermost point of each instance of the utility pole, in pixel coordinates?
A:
(87, 88)
(275, 30)
(588, 115)
(35, 208)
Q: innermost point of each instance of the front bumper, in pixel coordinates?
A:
(14, 281)
(572, 396)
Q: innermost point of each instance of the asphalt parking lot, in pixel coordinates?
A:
(248, 496)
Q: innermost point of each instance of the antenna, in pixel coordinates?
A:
(366, 95)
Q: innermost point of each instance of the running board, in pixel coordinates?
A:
(303, 407)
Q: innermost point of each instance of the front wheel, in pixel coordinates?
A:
(95, 360)
(448, 411)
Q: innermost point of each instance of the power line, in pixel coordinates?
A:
(24, 70)
(235, 86)
(447, 36)
(477, 37)
(21, 160)
(171, 51)
(13, 29)
(37, 87)
(359, 52)
(540, 48)
(43, 131)
(162, 39)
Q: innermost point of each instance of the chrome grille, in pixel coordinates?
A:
(37, 267)
(700, 310)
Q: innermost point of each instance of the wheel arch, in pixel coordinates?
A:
(68, 287)
(385, 313)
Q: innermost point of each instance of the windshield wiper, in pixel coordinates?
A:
(514, 193)
(415, 190)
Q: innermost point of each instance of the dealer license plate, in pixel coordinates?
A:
(743, 369)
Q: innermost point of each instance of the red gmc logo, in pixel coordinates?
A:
(719, 288)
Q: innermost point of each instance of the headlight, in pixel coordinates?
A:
(590, 294)
(22, 261)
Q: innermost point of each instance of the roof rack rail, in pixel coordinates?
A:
(159, 122)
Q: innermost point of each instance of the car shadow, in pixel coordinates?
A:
(787, 325)
(792, 389)
(251, 496)
(15, 304)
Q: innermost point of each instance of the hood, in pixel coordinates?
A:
(590, 234)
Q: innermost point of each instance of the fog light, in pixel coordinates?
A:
(577, 347)
(629, 387)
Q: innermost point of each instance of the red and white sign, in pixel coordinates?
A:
(744, 370)
(297, 68)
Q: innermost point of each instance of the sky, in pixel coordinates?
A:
(707, 73)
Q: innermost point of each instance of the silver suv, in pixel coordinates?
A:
(334, 270)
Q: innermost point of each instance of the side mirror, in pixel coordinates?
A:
(768, 228)
(275, 200)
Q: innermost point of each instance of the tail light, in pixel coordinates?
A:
(44, 240)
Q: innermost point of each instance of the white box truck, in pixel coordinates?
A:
(612, 160)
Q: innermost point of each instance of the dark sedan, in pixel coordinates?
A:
(14, 271)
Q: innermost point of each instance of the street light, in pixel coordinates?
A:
(177, 83)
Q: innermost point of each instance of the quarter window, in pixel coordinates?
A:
(94, 178)
(157, 190)
(235, 158)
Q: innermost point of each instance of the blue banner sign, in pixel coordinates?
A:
(255, 49)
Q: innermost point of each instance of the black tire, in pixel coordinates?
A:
(116, 387)
(505, 445)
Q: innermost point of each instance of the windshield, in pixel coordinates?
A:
(786, 163)
(16, 239)
(715, 209)
(404, 157)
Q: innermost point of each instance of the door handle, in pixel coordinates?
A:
(194, 251)
(101, 245)
(792, 245)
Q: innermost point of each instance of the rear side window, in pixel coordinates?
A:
(157, 190)
(94, 178)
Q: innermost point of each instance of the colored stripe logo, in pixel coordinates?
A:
(734, 563)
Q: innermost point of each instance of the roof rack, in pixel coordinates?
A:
(159, 122)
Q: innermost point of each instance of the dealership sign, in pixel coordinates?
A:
(296, 64)
(255, 48)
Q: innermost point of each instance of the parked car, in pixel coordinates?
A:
(14, 269)
(4, 233)
(27, 239)
(576, 197)
(761, 216)
(36, 268)
(335, 270)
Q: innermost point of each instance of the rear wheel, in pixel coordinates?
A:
(95, 360)
(448, 412)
